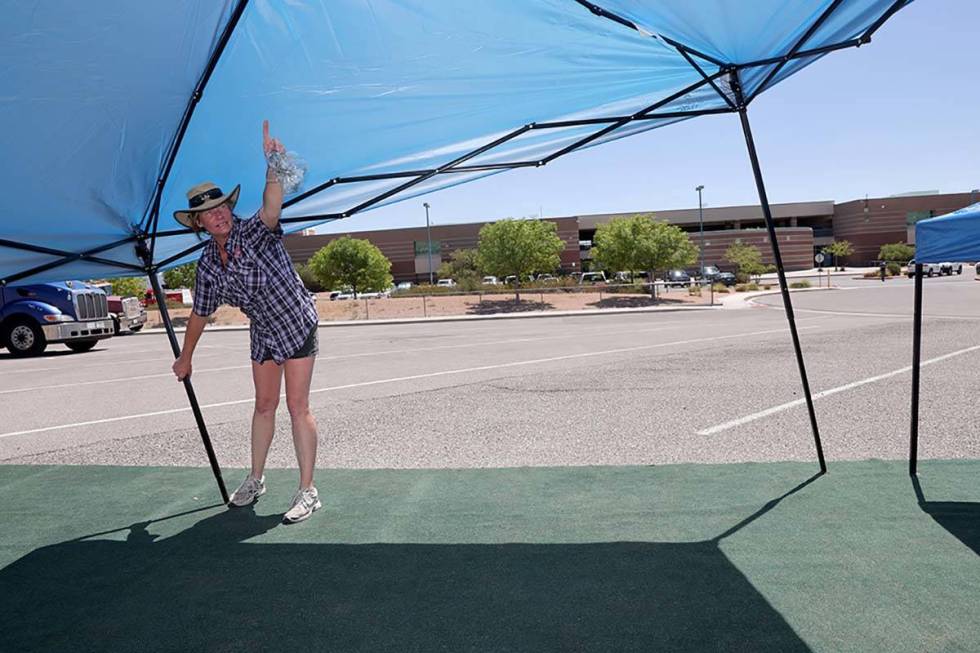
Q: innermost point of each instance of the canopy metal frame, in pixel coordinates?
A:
(147, 232)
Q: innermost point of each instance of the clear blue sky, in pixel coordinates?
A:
(901, 114)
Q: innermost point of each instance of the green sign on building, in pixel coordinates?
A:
(421, 247)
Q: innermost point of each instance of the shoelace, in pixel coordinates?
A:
(304, 497)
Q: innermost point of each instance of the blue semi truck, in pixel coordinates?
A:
(32, 317)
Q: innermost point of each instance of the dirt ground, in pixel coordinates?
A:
(444, 305)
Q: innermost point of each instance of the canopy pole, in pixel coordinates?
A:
(161, 301)
(916, 358)
(760, 186)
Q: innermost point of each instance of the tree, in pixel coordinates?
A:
(309, 279)
(895, 255)
(747, 260)
(519, 247)
(840, 250)
(462, 266)
(182, 276)
(352, 263)
(641, 243)
(129, 286)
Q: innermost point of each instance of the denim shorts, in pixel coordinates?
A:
(310, 346)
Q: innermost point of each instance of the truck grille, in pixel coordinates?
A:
(131, 307)
(91, 305)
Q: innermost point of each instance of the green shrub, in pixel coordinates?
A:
(309, 279)
(720, 288)
(694, 291)
(739, 287)
(800, 284)
(752, 287)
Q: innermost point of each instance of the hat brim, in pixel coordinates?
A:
(185, 217)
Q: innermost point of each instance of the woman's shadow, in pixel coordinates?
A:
(209, 588)
(960, 518)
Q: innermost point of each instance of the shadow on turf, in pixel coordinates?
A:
(207, 588)
(960, 518)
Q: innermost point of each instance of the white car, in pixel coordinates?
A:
(547, 278)
(404, 285)
(592, 277)
(491, 281)
(446, 283)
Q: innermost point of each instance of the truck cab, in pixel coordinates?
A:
(70, 312)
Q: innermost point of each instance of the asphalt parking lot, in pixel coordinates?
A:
(644, 388)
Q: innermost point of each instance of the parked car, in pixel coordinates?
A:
(592, 277)
(677, 278)
(404, 285)
(71, 312)
(446, 283)
(511, 279)
(491, 281)
(928, 269)
(547, 278)
(711, 272)
(949, 268)
(726, 278)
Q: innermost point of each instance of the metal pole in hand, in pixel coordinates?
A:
(161, 300)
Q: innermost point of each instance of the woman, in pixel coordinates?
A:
(245, 264)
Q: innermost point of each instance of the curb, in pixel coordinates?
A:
(463, 318)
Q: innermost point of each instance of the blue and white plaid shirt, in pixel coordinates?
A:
(261, 281)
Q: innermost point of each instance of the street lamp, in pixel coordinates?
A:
(701, 226)
(428, 234)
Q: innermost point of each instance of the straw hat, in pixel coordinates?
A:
(204, 197)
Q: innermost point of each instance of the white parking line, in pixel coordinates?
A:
(41, 388)
(826, 393)
(410, 378)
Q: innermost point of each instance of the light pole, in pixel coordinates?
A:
(701, 226)
(428, 234)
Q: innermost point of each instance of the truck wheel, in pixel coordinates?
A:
(115, 325)
(81, 345)
(136, 328)
(24, 338)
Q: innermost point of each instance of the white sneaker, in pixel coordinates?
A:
(250, 490)
(305, 503)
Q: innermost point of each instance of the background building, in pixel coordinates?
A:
(803, 229)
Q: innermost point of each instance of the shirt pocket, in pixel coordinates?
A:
(248, 282)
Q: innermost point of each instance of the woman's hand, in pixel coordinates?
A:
(182, 368)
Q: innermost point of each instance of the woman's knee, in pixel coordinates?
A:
(266, 406)
(298, 406)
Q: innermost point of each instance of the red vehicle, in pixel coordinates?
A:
(127, 313)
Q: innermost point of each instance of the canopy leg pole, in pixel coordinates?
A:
(760, 186)
(191, 397)
(916, 358)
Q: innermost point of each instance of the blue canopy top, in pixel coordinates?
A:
(384, 99)
(951, 237)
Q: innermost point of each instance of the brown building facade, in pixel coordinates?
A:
(803, 229)
(870, 223)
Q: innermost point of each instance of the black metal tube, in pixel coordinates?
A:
(152, 215)
(191, 397)
(916, 364)
(796, 48)
(770, 225)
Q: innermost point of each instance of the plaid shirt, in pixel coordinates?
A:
(261, 281)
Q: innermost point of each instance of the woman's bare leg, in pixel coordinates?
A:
(267, 378)
(299, 374)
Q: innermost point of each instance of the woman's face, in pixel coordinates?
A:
(216, 221)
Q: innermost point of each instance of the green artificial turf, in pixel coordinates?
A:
(754, 557)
